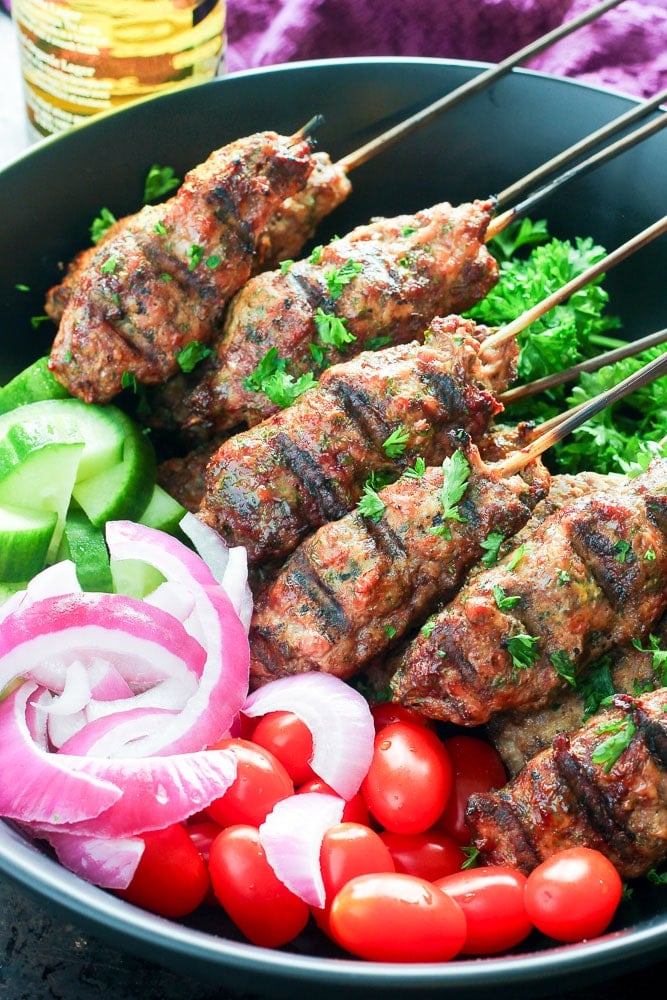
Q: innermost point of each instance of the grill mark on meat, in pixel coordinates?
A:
(322, 491)
(385, 539)
(591, 799)
(311, 290)
(614, 577)
(358, 405)
(447, 390)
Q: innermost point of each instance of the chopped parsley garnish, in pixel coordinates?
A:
(608, 752)
(166, 277)
(370, 504)
(408, 230)
(472, 854)
(491, 546)
(160, 228)
(190, 356)
(455, 473)
(394, 445)
(213, 261)
(427, 628)
(522, 649)
(517, 556)
(622, 550)
(649, 555)
(101, 224)
(596, 686)
(563, 666)
(374, 343)
(316, 255)
(195, 253)
(110, 264)
(271, 378)
(390, 631)
(656, 877)
(159, 182)
(36, 321)
(22, 288)
(332, 331)
(128, 380)
(418, 469)
(285, 266)
(338, 277)
(659, 662)
(562, 577)
(503, 602)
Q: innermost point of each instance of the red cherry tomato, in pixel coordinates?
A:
(261, 781)
(477, 768)
(430, 855)
(392, 917)
(171, 878)
(355, 811)
(289, 739)
(348, 850)
(492, 899)
(573, 894)
(386, 712)
(202, 832)
(263, 909)
(409, 779)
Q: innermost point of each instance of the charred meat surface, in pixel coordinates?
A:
(382, 283)
(269, 486)
(519, 736)
(360, 583)
(604, 786)
(161, 281)
(287, 230)
(593, 575)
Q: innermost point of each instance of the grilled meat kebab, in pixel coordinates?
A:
(603, 786)
(269, 486)
(519, 736)
(161, 282)
(287, 229)
(362, 582)
(593, 576)
(381, 284)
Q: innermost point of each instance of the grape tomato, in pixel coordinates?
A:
(171, 878)
(355, 811)
(430, 855)
(261, 781)
(492, 899)
(289, 739)
(477, 767)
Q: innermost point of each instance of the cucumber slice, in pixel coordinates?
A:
(83, 543)
(25, 536)
(123, 489)
(44, 481)
(32, 384)
(163, 512)
(7, 590)
(54, 421)
(134, 578)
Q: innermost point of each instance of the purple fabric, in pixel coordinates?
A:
(625, 50)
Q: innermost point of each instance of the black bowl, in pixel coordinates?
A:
(49, 197)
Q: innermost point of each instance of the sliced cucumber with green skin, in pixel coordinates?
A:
(32, 384)
(123, 489)
(83, 543)
(163, 512)
(25, 537)
(134, 578)
(54, 421)
(8, 589)
(44, 481)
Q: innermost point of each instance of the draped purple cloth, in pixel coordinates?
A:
(625, 50)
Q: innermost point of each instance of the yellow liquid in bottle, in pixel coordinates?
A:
(80, 57)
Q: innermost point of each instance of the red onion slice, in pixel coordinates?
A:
(291, 836)
(339, 720)
(110, 863)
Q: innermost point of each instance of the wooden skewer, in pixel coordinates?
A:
(589, 142)
(503, 220)
(512, 329)
(387, 138)
(580, 414)
(628, 350)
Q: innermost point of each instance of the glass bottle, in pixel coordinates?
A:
(80, 57)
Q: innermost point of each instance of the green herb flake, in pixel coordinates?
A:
(110, 264)
(608, 752)
(523, 650)
(22, 288)
(472, 856)
(408, 230)
(390, 631)
(517, 556)
(455, 473)
(375, 343)
(491, 546)
(622, 550)
(563, 666)
(504, 603)
(160, 228)
(427, 628)
(213, 261)
(101, 224)
(316, 255)
(128, 380)
(37, 321)
(332, 331)
(596, 686)
(159, 182)
(370, 505)
(195, 253)
(649, 555)
(562, 577)
(394, 445)
(656, 877)
(166, 277)
(338, 277)
(659, 661)
(189, 357)
(418, 469)
(286, 266)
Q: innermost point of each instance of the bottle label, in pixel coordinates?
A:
(79, 57)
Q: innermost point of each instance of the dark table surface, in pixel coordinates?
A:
(43, 957)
